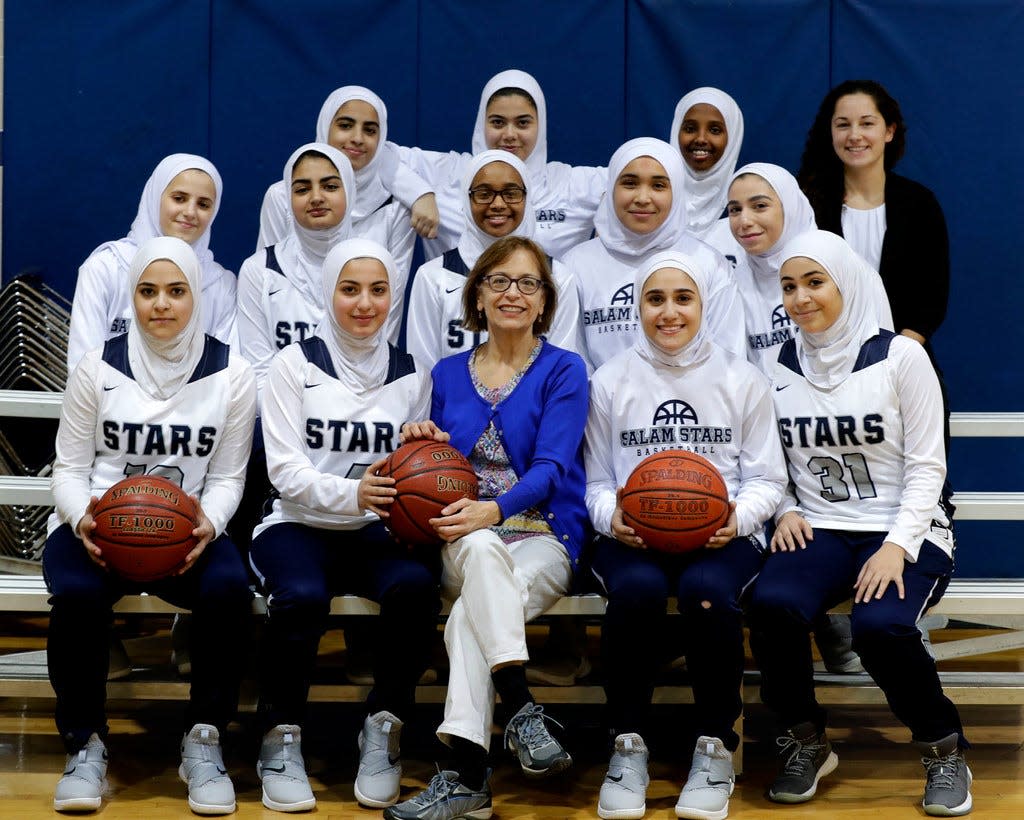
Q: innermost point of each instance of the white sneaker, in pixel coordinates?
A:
(624, 790)
(210, 790)
(84, 782)
(378, 783)
(709, 786)
(283, 771)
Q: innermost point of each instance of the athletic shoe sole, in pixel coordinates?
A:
(78, 804)
(621, 814)
(827, 767)
(556, 767)
(938, 810)
(374, 804)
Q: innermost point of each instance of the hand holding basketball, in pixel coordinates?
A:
(86, 525)
(204, 532)
(376, 492)
(620, 530)
(413, 430)
(726, 533)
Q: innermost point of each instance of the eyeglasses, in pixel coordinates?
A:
(527, 285)
(483, 195)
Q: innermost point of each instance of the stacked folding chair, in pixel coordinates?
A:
(34, 322)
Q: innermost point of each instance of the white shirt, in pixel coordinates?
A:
(718, 408)
(868, 454)
(864, 230)
(110, 429)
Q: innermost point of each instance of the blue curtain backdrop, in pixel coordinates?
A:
(95, 94)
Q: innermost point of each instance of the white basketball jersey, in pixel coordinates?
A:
(344, 433)
(846, 446)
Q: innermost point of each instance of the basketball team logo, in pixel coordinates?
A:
(782, 330)
(780, 318)
(624, 295)
(674, 411)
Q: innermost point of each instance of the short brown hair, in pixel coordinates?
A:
(475, 321)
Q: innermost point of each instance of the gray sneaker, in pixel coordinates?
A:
(806, 756)
(378, 782)
(84, 782)
(624, 790)
(947, 791)
(527, 735)
(709, 786)
(445, 798)
(283, 771)
(202, 768)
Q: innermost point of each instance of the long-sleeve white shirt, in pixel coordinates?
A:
(719, 408)
(110, 429)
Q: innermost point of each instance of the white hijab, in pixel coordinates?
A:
(146, 225)
(827, 358)
(536, 163)
(706, 191)
(162, 367)
(474, 240)
(360, 364)
(302, 258)
(371, 191)
(612, 233)
(699, 347)
(797, 216)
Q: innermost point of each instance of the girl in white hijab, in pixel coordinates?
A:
(512, 116)
(163, 399)
(332, 411)
(644, 212)
(181, 198)
(280, 298)
(355, 121)
(435, 304)
(708, 128)
(674, 368)
(867, 513)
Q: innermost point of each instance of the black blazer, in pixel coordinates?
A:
(915, 254)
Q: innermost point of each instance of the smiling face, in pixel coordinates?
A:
(642, 195)
(510, 124)
(186, 205)
(355, 131)
(163, 300)
(703, 136)
(670, 309)
(362, 297)
(810, 295)
(512, 312)
(755, 213)
(859, 132)
(497, 218)
(318, 194)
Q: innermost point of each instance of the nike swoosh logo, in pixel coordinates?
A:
(777, 389)
(69, 771)
(615, 779)
(279, 770)
(107, 389)
(393, 760)
(225, 771)
(308, 386)
(452, 290)
(272, 292)
(719, 782)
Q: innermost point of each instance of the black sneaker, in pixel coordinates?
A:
(527, 735)
(445, 798)
(947, 791)
(806, 756)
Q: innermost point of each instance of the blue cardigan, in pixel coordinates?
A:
(541, 425)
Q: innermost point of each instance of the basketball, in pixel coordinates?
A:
(429, 475)
(144, 527)
(675, 501)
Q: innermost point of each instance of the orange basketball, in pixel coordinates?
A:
(675, 501)
(144, 527)
(429, 476)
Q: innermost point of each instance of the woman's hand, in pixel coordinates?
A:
(413, 430)
(424, 217)
(724, 535)
(376, 492)
(84, 530)
(465, 516)
(791, 531)
(881, 569)
(622, 533)
(204, 532)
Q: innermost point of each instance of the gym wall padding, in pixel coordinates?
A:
(97, 93)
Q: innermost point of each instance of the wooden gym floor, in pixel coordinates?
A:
(878, 775)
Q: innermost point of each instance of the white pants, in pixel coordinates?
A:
(497, 588)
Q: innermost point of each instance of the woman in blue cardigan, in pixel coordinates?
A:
(516, 407)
